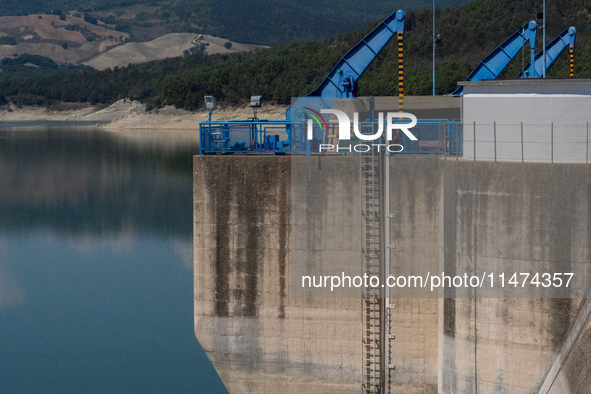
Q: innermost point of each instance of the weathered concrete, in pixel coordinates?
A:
(571, 371)
(458, 216)
(510, 217)
(574, 376)
(325, 223)
(259, 339)
(424, 107)
(513, 218)
(415, 198)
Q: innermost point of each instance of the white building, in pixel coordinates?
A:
(553, 113)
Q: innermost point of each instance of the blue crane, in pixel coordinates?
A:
(341, 81)
(497, 60)
(566, 39)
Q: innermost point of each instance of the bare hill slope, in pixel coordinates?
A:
(170, 45)
(46, 35)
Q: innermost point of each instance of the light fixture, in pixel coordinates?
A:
(210, 104)
(255, 102)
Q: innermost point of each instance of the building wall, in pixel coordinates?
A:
(454, 215)
(555, 127)
(259, 339)
(570, 372)
(415, 198)
(554, 113)
(509, 217)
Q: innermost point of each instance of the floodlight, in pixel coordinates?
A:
(255, 101)
(210, 103)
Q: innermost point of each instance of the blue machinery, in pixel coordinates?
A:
(342, 80)
(553, 51)
(275, 137)
(435, 136)
(492, 65)
(258, 137)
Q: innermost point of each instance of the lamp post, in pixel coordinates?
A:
(210, 104)
(434, 47)
(255, 102)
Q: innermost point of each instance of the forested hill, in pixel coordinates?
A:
(264, 22)
(469, 33)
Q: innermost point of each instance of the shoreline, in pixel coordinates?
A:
(130, 115)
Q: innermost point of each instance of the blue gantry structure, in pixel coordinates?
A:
(279, 137)
(341, 81)
(554, 49)
(259, 136)
(492, 65)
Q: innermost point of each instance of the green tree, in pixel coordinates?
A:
(7, 40)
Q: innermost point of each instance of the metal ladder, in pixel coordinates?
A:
(373, 371)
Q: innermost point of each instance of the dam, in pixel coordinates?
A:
(257, 230)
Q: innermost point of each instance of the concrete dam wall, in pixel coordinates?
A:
(259, 339)
(451, 215)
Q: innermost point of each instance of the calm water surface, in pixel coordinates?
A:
(96, 285)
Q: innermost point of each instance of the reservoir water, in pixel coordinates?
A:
(96, 277)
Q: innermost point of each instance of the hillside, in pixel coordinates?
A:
(469, 33)
(68, 39)
(264, 22)
(169, 45)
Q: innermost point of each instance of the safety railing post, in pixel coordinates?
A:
(522, 143)
(587, 151)
(200, 140)
(457, 141)
(443, 140)
(495, 138)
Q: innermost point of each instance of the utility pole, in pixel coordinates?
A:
(543, 37)
(434, 47)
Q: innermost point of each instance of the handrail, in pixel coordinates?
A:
(284, 137)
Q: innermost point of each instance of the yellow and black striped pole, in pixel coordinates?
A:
(571, 51)
(400, 72)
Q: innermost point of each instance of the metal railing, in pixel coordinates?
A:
(246, 137)
(552, 142)
(435, 136)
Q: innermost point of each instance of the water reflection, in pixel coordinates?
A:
(96, 287)
(11, 292)
(94, 182)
